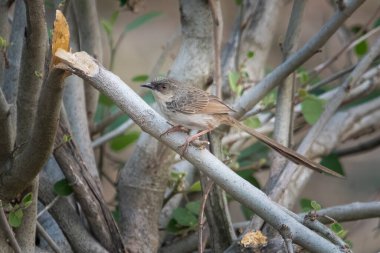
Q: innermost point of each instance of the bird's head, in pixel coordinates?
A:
(163, 88)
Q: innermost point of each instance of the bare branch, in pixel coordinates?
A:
(48, 239)
(87, 192)
(112, 134)
(350, 83)
(150, 121)
(8, 230)
(255, 94)
(14, 52)
(90, 41)
(37, 150)
(101, 126)
(67, 218)
(349, 212)
(216, 11)
(32, 69)
(283, 128)
(6, 131)
(75, 104)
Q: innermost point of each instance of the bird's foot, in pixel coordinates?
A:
(200, 144)
(175, 128)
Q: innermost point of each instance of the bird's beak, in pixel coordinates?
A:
(147, 85)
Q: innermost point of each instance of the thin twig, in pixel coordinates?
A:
(48, 239)
(110, 135)
(201, 216)
(216, 11)
(359, 148)
(350, 44)
(106, 122)
(47, 207)
(350, 83)
(8, 230)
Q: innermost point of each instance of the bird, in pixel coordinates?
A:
(195, 109)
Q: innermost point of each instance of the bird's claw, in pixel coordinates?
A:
(197, 143)
(177, 128)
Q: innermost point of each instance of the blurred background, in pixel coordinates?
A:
(141, 48)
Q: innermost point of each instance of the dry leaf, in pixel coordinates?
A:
(254, 239)
(61, 35)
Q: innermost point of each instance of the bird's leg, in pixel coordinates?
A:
(190, 139)
(175, 128)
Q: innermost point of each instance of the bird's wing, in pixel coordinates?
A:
(190, 101)
(196, 101)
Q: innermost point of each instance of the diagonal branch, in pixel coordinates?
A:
(351, 82)
(86, 191)
(150, 121)
(252, 96)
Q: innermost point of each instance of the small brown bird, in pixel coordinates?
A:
(196, 109)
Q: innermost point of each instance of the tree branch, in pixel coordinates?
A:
(350, 83)
(8, 230)
(14, 52)
(151, 122)
(87, 192)
(283, 127)
(29, 162)
(89, 41)
(252, 96)
(32, 69)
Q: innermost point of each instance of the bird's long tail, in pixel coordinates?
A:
(286, 152)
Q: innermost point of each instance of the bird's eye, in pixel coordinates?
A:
(163, 87)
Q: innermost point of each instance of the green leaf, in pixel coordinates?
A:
(302, 93)
(15, 217)
(140, 78)
(175, 176)
(196, 187)
(270, 98)
(122, 2)
(238, 2)
(3, 43)
(376, 23)
(248, 213)
(173, 227)
(62, 188)
(315, 205)
(250, 54)
(116, 214)
(312, 108)
(27, 200)
(248, 175)
(253, 122)
(306, 205)
(185, 217)
(114, 17)
(332, 162)
(141, 20)
(361, 49)
(336, 227)
(122, 141)
(252, 154)
(66, 138)
(105, 101)
(194, 207)
(233, 79)
(107, 26)
(303, 76)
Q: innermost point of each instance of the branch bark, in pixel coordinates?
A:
(33, 156)
(150, 121)
(32, 69)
